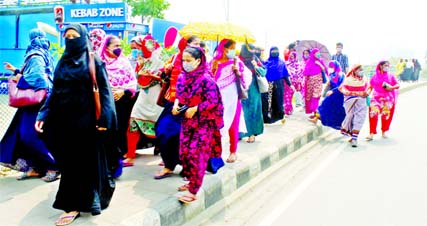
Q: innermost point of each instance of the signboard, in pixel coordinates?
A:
(85, 13)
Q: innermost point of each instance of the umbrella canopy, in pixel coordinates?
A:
(217, 31)
(311, 44)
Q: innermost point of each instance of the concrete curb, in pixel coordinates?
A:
(169, 212)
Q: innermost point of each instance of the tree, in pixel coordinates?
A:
(148, 9)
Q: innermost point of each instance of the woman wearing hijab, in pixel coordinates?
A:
(277, 75)
(252, 107)
(97, 37)
(295, 69)
(355, 89)
(383, 101)
(331, 112)
(21, 142)
(122, 80)
(83, 146)
(313, 70)
(145, 111)
(202, 121)
(168, 126)
(226, 68)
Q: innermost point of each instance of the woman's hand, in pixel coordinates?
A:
(329, 93)
(175, 109)
(190, 112)
(9, 66)
(118, 93)
(17, 77)
(320, 65)
(38, 126)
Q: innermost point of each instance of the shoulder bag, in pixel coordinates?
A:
(24, 97)
(96, 96)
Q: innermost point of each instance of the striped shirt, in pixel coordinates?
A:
(343, 60)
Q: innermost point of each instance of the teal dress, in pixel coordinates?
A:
(252, 110)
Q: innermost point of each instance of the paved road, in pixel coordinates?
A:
(381, 183)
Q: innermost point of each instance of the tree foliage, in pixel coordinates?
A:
(148, 9)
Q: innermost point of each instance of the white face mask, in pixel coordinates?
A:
(331, 70)
(189, 66)
(385, 69)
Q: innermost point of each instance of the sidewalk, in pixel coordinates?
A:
(140, 200)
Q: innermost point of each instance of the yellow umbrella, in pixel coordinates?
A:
(217, 31)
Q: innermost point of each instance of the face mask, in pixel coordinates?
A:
(117, 51)
(385, 69)
(189, 66)
(318, 55)
(339, 49)
(331, 70)
(274, 54)
(231, 54)
(74, 45)
(305, 56)
(135, 53)
(360, 73)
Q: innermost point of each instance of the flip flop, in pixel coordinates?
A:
(187, 198)
(183, 187)
(162, 175)
(27, 175)
(51, 176)
(128, 164)
(67, 218)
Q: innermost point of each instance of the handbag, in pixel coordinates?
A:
(242, 93)
(262, 83)
(214, 164)
(161, 99)
(96, 96)
(24, 97)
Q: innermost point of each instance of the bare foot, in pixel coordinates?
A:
(232, 158)
(384, 136)
(370, 137)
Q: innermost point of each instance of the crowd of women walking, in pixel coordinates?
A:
(185, 106)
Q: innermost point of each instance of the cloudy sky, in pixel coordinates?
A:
(371, 30)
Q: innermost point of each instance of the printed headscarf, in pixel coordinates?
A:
(119, 69)
(96, 37)
(295, 69)
(39, 44)
(336, 76)
(148, 46)
(311, 68)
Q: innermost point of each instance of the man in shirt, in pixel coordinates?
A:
(341, 58)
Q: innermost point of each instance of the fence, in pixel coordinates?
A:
(6, 112)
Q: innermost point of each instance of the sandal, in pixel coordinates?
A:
(67, 218)
(162, 175)
(128, 162)
(51, 176)
(251, 139)
(369, 138)
(183, 187)
(187, 198)
(31, 173)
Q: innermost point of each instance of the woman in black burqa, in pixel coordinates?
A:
(84, 147)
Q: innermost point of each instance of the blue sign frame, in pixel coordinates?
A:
(93, 13)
